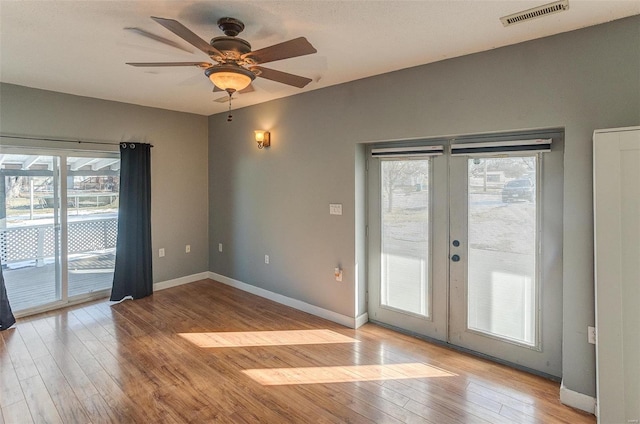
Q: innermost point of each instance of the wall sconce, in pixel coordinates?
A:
(263, 138)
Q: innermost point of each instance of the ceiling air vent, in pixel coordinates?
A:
(536, 12)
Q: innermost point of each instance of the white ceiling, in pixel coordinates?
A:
(80, 47)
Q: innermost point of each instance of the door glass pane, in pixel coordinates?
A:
(502, 226)
(92, 202)
(405, 235)
(29, 229)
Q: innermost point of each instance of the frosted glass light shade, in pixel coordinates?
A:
(226, 80)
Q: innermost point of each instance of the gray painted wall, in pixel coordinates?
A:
(275, 201)
(178, 161)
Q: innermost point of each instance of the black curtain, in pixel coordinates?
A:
(6, 316)
(133, 274)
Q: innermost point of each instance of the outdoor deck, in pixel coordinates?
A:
(33, 286)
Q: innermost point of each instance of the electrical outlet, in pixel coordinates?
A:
(219, 247)
(187, 248)
(592, 335)
(266, 259)
(161, 252)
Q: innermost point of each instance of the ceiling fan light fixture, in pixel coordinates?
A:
(229, 77)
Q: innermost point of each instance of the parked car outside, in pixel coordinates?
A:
(522, 189)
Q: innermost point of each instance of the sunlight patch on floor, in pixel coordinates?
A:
(344, 374)
(266, 338)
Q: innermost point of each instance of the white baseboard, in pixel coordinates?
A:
(180, 281)
(577, 400)
(291, 302)
(362, 320)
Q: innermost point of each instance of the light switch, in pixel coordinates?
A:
(335, 209)
(338, 274)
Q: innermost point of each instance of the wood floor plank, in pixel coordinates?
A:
(17, 413)
(98, 410)
(41, 406)
(64, 398)
(32, 340)
(10, 390)
(144, 361)
(123, 409)
(69, 344)
(23, 364)
(389, 407)
(73, 373)
(449, 404)
(518, 416)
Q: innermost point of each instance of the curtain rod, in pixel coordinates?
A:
(20, 137)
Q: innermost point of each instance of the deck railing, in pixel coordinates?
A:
(36, 242)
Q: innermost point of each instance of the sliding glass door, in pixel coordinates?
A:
(30, 229)
(58, 225)
(92, 222)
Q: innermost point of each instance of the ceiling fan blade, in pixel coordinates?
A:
(283, 77)
(155, 37)
(190, 37)
(149, 64)
(292, 48)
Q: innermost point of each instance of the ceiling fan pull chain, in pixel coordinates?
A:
(230, 117)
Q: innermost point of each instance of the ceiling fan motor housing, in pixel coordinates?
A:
(230, 26)
(231, 46)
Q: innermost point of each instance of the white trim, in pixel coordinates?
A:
(180, 281)
(362, 320)
(577, 400)
(288, 301)
(610, 130)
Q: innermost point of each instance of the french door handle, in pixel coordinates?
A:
(455, 258)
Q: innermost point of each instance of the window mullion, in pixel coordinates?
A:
(64, 225)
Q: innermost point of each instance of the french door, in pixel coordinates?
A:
(58, 226)
(465, 248)
(408, 255)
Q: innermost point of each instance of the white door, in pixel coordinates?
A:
(505, 300)
(407, 270)
(617, 259)
(466, 248)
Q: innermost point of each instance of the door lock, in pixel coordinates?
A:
(455, 258)
(456, 243)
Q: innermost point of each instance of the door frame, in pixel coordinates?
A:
(551, 231)
(435, 326)
(459, 202)
(61, 227)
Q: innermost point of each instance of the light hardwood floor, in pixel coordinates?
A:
(157, 360)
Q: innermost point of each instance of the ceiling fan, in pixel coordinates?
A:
(236, 65)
